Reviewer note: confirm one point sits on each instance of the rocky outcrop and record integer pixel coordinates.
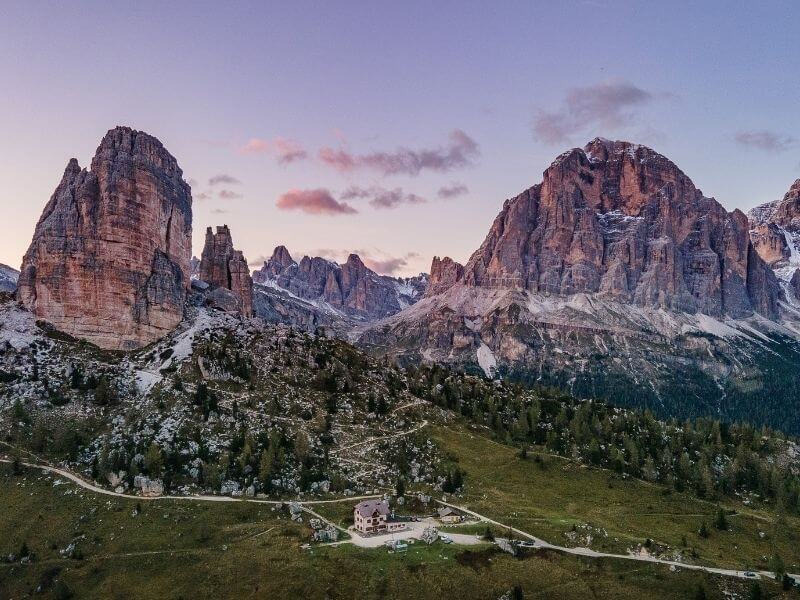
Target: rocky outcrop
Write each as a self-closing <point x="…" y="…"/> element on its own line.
<point x="109" y="259"/>
<point x="775" y="235"/>
<point x="278" y="263"/>
<point x="445" y="273"/>
<point x="621" y="221"/>
<point x="770" y="242"/>
<point x="351" y="288"/>
<point x="225" y="268"/>
<point x="194" y="267"/>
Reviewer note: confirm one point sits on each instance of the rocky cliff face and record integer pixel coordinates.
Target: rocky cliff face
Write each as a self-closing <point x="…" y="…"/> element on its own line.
<point x="109" y="259"/>
<point x="350" y="288"/>
<point x="775" y="234"/>
<point x="225" y="268"/>
<point x="621" y="221"/>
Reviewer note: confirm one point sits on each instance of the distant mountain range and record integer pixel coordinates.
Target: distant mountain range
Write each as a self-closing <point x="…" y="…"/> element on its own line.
<point x="351" y="290"/>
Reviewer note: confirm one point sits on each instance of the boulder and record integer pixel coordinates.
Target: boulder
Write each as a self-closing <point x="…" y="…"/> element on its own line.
<point x="149" y="487"/>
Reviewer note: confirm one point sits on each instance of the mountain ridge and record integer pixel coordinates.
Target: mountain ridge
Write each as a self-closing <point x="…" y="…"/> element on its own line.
<point x="351" y="288"/>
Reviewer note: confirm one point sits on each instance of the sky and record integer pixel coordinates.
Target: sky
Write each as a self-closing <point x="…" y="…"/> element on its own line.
<point x="395" y="130"/>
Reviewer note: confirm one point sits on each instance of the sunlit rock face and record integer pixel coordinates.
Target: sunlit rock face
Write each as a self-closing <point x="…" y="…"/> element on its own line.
<point x="109" y="259"/>
<point x="445" y="272"/>
<point x="622" y="221"/>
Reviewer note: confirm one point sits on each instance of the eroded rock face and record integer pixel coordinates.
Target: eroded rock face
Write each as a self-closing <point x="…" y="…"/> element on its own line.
<point x="351" y="288"/>
<point x="224" y="267"/>
<point x="622" y="221"/>
<point x="445" y="272"/>
<point x="770" y="243"/>
<point x="109" y="259"/>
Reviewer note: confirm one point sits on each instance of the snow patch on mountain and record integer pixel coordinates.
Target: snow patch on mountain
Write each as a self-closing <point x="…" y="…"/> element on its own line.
<point x="17" y="326"/>
<point x="487" y="360"/>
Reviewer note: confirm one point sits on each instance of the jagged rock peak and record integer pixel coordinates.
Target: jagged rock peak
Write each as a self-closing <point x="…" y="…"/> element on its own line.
<point x="281" y="256"/>
<point x="224" y="267"/>
<point x="621" y="220"/>
<point x="445" y="273"/>
<point x="354" y="262"/>
<point x="109" y="259"/>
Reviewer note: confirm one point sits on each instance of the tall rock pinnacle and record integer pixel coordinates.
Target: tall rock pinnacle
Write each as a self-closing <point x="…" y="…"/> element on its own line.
<point x="224" y="267"/>
<point x="109" y="259"/>
<point x="445" y="272"/>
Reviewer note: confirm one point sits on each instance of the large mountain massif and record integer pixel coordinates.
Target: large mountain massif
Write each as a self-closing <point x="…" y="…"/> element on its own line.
<point x="616" y="277"/>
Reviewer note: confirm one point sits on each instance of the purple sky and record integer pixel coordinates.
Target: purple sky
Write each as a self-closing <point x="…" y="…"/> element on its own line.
<point x="392" y="129"/>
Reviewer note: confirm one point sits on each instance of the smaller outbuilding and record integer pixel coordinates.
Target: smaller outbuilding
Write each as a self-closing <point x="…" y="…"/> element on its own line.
<point x="449" y="515"/>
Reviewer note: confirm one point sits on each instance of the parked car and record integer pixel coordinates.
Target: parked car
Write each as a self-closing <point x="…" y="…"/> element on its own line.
<point x="446" y="539"/>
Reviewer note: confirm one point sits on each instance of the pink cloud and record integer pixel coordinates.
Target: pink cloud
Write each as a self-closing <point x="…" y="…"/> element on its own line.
<point x="286" y="151"/>
<point x="255" y="146"/>
<point x="460" y="152"/>
<point x="289" y="151"/>
<point x="314" y="202"/>
<point x="338" y="159"/>
<point x="388" y="265"/>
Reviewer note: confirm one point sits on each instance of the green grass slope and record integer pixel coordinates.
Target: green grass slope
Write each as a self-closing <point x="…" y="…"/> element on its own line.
<point x="170" y="549"/>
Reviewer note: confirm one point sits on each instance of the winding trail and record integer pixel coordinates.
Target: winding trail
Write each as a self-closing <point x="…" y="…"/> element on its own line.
<point x="539" y="543"/>
<point x="379" y="438"/>
<point x="371" y="542"/>
<point x="87" y="485"/>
